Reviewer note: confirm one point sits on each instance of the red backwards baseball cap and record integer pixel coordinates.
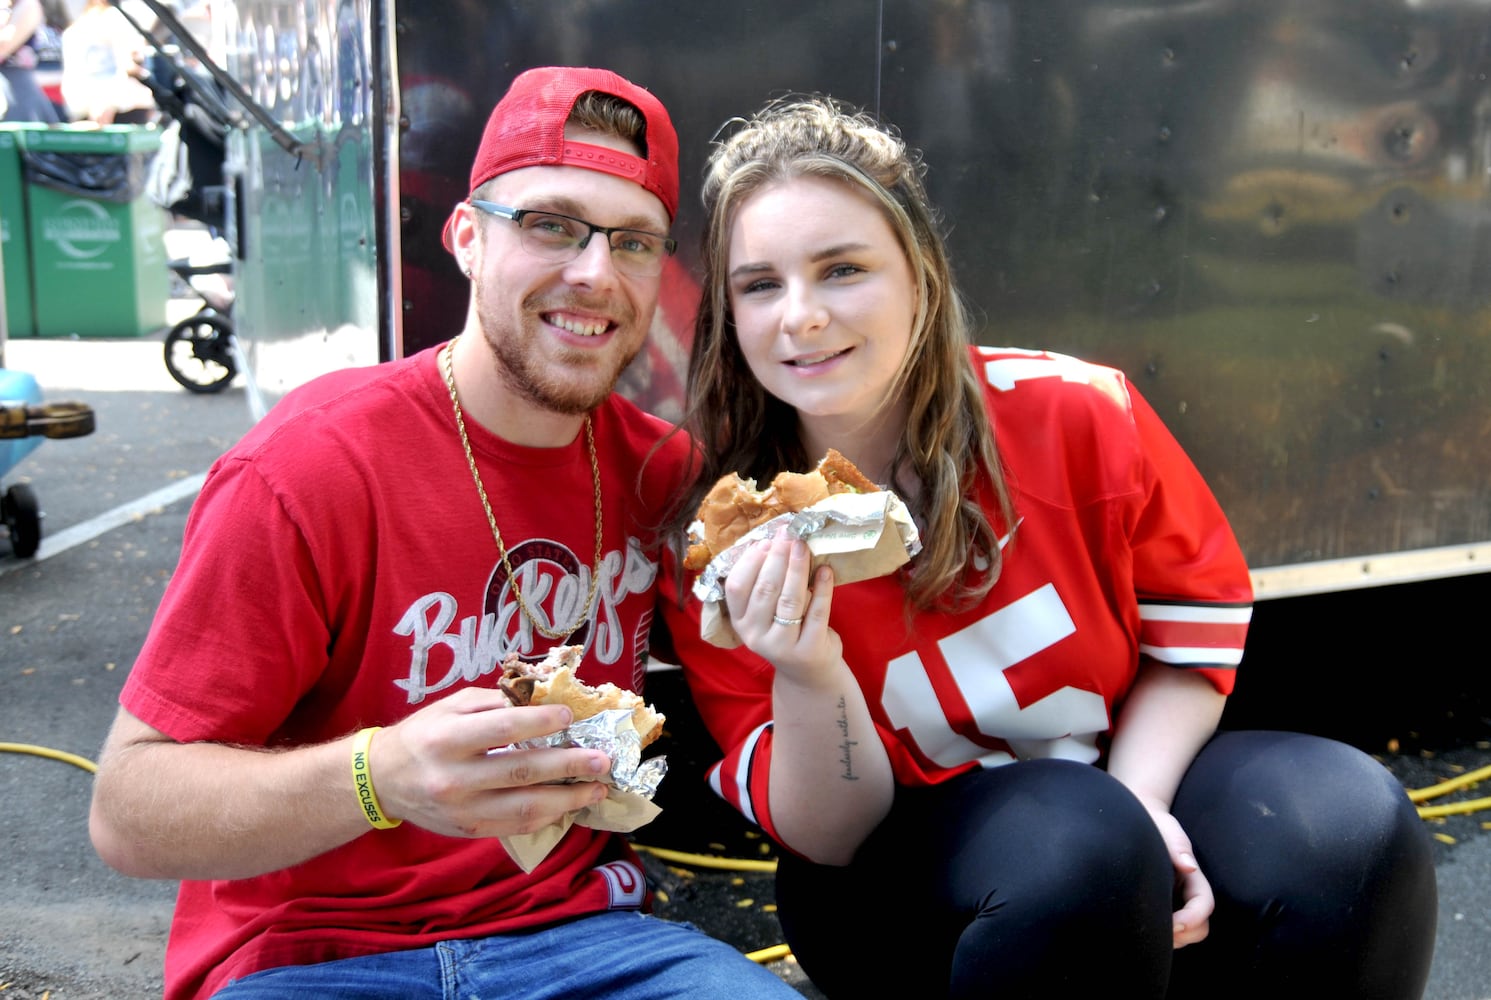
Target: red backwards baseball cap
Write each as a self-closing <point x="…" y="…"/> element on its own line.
<point x="526" y="129"/>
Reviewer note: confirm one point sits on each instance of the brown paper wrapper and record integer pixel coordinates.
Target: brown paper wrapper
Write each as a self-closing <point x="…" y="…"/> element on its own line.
<point x="861" y="535"/>
<point x="620" y="811"/>
<point x="633" y="783"/>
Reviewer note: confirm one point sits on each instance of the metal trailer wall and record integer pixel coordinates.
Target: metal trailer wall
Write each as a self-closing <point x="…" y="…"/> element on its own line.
<point x="307" y="227"/>
<point x="1272" y="214"/>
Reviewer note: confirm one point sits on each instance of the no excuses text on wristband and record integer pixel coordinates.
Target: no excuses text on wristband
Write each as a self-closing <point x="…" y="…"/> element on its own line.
<point x="363" y="779"/>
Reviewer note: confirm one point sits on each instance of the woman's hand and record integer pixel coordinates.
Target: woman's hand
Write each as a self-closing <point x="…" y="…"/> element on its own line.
<point x="777" y="615"/>
<point x="1191" y="923"/>
<point x="1166" y="719"/>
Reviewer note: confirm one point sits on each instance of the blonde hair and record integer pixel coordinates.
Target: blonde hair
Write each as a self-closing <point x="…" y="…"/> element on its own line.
<point x="948" y="439"/>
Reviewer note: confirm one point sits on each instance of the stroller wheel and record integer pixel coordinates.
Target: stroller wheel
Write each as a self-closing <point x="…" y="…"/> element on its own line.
<point x="199" y="353"/>
<point x="19" y="511"/>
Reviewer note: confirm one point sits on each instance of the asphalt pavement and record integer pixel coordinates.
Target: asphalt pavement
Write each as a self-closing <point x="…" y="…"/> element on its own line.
<point x="73" y="618"/>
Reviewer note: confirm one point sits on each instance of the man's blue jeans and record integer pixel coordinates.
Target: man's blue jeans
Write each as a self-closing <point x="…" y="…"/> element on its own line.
<point x="622" y="955"/>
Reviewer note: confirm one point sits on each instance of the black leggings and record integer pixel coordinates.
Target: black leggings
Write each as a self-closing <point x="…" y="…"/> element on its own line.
<point x="1047" y="878"/>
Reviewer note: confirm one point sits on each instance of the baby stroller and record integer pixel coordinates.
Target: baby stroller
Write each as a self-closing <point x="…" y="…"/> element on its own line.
<point x="201" y="351"/>
<point x="25" y="420"/>
<point x="186" y="179"/>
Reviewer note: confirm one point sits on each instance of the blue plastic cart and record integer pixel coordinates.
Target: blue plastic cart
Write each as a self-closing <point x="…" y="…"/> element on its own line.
<point x="25" y="421"/>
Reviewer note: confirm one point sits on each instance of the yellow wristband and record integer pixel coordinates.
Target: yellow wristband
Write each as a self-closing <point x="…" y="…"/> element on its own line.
<point x="362" y="778"/>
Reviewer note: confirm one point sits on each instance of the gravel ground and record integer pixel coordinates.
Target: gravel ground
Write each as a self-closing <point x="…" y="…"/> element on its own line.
<point x="1431" y="768"/>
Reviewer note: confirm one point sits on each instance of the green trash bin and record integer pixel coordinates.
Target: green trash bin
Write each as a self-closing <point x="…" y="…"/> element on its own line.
<point x="98" y="257"/>
<point x="15" y="244"/>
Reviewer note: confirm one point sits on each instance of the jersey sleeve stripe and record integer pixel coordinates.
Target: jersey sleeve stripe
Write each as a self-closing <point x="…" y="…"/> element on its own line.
<point x="1220" y="614"/>
<point x="1191" y="643"/>
<point x="1193" y="656"/>
<point x="731" y="777"/>
<point x="1194" y="634"/>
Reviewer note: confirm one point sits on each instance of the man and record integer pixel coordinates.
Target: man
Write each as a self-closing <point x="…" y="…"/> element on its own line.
<point x="365" y="558"/>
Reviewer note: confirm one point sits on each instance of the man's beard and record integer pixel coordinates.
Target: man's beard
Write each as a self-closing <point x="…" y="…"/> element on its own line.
<point x="522" y="368"/>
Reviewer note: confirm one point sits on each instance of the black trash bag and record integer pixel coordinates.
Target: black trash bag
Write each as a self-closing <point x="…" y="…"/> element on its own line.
<point x="112" y="177"/>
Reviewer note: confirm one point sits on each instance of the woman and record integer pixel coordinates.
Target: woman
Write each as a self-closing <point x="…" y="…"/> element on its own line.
<point x="102" y="60"/>
<point x="997" y="772"/>
<point x="21" y="96"/>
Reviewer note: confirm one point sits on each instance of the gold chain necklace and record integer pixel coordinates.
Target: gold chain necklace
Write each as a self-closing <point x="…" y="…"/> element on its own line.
<point x="481" y="491"/>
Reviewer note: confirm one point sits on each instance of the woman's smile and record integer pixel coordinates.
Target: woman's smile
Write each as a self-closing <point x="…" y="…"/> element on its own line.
<point x="823" y="298"/>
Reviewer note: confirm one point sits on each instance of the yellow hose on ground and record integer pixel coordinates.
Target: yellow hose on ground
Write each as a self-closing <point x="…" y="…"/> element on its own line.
<point x="1454" y="808"/>
<point x="708" y="860"/>
<point x="62" y="755"/>
<point x="1417" y="795"/>
<point x="1459" y="781"/>
<point x="761" y="956"/>
<point x="771" y="954"/>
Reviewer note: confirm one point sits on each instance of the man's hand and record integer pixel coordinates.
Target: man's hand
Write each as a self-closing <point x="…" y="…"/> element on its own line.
<point x="450" y="767"/>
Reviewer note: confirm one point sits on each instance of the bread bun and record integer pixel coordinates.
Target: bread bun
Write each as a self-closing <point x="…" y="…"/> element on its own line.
<point x="552" y="681"/>
<point x="734" y="505"/>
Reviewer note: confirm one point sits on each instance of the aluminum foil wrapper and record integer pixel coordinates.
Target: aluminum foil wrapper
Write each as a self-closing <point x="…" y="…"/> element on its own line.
<point x="613" y="732"/>
<point x="861" y="535"/>
<point x="627" y="807"/>
<point x="710" y="583"/>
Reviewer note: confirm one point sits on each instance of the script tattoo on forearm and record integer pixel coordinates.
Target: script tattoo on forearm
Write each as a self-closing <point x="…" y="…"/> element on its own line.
<point x="846" y="745"/>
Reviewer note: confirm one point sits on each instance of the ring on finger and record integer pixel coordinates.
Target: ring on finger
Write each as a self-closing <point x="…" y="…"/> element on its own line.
<point x="786" y="621"/>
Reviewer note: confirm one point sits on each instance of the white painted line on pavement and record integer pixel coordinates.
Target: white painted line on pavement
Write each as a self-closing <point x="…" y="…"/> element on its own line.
<point x="109" y="520"/>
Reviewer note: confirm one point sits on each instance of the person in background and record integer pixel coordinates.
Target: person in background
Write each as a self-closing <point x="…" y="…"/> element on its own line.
<point x="312" y="738"/>
<point x="100" y="53"/>
<point x="1004" y="757"/>
<point x="21" y="96"/>
<point x="48" y="45"/>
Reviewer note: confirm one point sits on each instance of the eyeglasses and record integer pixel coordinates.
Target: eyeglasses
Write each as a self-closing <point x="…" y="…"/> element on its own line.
<point x="560" y="238"/>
